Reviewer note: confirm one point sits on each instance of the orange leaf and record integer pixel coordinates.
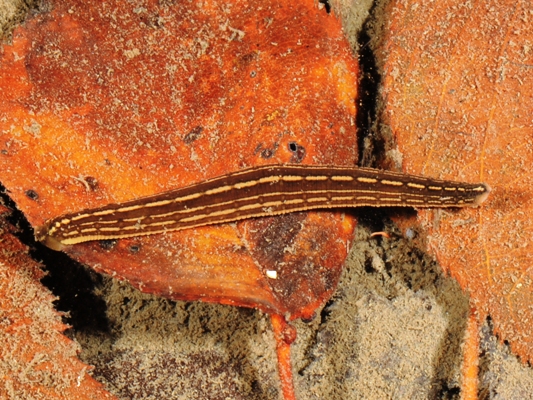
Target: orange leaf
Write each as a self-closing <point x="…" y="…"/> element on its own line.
<point x="459" y="97"/>
<point x="114" y="102"/>
<point x="37" y="361"/>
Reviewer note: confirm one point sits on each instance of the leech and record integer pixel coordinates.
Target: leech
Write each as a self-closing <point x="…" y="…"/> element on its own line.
<point x="258" y="192"/>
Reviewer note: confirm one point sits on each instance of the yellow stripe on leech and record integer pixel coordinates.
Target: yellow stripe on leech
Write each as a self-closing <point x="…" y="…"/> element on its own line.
<point x="221" y="189"/>
<point x="391" y="183"/>
<point x="159" y="203"/>
<point x="187" y="198"/>
<point x="342" y="198"/>
<point x="106" y="222"/>
<point x="342" y="178"/>
<point x="194" y="218"/>
<point x="316" y="178"/>
<point x="293" y="201"/>
<point x="136" y="219"/>
<point x="97" y="214"/>
<point x="366" y="180"/>
<point x="416" y="185"/>
<point x="317" y="199"/>
<point x="250" y="206"/>
<point x="81" y="216"/>
<point x="270" y="179"/>
<point x="110" y="229"/>
<point x="245" y="184"/>
<point x="292" y="178"/>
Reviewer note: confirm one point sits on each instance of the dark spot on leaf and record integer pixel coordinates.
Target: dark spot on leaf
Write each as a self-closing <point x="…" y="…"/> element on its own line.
<point x="32" y="194"/>
<point x="92" y="183"/>
<point x="152" y="21"/>
<point x="193" y="135"/>
<point x="246" y="59"/>
<point x="293" y="146"/>
<point x="298" y="152"/>
<point x="107" y="244"/>
<point x="267" y="153"/>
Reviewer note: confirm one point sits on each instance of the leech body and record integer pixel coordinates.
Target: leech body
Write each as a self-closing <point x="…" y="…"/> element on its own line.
<point x="257" y="192"/>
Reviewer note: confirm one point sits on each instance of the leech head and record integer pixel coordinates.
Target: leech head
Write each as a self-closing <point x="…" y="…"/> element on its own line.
<point x="483" y="196"/>
<point x="42" y="235"/>
<point x="52" y="243"/>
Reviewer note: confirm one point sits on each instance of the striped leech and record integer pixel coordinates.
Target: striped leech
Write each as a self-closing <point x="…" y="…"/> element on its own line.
<point x="257" y="192"/>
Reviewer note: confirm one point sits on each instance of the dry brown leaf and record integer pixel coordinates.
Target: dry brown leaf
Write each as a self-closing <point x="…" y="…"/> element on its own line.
<point x="36" y="360"/>
<point x="459" y="99"/>
<point x="110" y="102"/>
